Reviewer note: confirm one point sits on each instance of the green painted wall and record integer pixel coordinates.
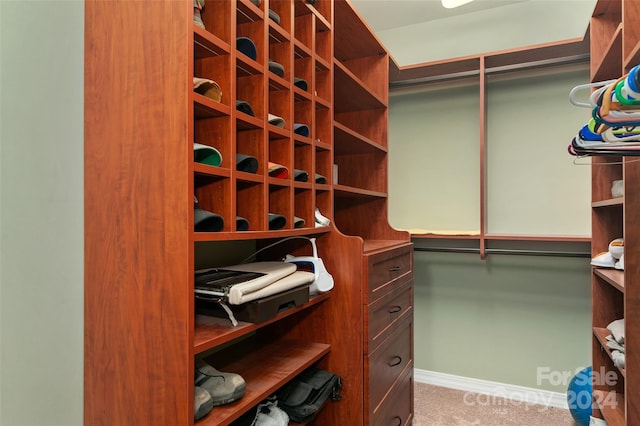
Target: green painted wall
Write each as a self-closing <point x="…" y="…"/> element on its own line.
<point x="41" y="212"/>
<point x="504" y="319"/>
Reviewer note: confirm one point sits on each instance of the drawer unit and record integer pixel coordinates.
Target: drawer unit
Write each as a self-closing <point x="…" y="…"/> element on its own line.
<point x="385" y="267"/>
<point x="385" y="314"/>
<point x="387" y="363"/>
<point x="397" y="407"/>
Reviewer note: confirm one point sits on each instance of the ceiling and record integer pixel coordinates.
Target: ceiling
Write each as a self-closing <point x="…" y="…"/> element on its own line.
<point x="386" y="14"/>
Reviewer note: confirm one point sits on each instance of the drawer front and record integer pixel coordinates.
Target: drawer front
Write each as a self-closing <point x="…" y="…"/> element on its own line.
<point x="384" y="314"/>
<point x="385" y="267"/>
<point x="388" y="362"/>
<point x="397" y="407"/>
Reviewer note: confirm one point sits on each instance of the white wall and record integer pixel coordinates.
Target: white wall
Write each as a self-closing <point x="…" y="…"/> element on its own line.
<point x="41" y="212"/>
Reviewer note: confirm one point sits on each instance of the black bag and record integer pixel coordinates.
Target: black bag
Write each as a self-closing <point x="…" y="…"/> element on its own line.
<point x="305" y="395"/>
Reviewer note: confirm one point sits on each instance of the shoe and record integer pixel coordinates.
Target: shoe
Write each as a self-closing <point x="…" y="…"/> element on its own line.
<point x="604" y="260"/>
<point x="223" y="387"/>
<point x="202" y="403"/>
<point x="269" y="414"/>
<point x="616" y="248"/>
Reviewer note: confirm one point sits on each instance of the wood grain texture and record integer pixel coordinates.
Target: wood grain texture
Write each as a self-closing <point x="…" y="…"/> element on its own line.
<point x="138" y="296"/>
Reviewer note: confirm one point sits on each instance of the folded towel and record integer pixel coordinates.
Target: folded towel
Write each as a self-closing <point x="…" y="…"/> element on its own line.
<point x="612" y="344"/>
<point x="618" y="359"/>
<point x="617" y="330"/>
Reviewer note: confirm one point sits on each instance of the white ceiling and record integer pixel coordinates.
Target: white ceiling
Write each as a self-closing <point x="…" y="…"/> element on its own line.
<point x="418" y="31"/>
<point x="386" y="14"/>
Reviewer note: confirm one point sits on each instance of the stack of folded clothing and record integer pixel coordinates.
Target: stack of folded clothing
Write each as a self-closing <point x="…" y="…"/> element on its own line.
<point x="615" y="342"/>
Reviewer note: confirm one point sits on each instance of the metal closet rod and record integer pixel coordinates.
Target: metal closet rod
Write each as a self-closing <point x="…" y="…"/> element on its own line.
<point x="505" y="251"/>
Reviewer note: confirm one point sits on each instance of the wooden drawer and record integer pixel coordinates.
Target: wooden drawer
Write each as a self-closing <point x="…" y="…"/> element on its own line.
<point x="387" y="363"/>
<point x="384" y="314"/>
<point x="385" y="267"/>
<point x="397" y="407"/>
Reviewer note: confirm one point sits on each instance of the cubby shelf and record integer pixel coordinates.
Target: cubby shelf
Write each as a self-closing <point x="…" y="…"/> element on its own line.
<point x="283" y="360"/>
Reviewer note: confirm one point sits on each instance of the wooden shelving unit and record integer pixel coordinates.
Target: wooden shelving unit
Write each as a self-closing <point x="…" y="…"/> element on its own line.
<point x="479" y="67"/>
<point x="142" y="331"/>
<point x="615" y="41"/>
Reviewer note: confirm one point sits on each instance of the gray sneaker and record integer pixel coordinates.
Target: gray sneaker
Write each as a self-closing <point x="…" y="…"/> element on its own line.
<point x="202" y="403"/>
<point x="223" y="387"/>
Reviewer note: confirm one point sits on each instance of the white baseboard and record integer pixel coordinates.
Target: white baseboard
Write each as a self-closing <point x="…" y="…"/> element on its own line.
<point x="494" y="389"/>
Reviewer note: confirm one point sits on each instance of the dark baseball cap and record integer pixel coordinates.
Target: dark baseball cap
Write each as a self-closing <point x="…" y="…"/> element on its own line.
<point x="276" y="221"/>
<point x="276" y="68"/>
<point x="246" y="163"/>
<point x="301" y="83"/>
<point x="206" y="221"/>
<point x="301" y="129"/>
<point x="247" y="46"/>
<point x="244" y="106"/>
<point x="300" y="175"/>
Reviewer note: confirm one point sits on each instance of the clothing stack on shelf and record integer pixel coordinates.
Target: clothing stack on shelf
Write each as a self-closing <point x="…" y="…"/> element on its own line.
<point x="615" y="342"/>
<point x="614" y="126"/>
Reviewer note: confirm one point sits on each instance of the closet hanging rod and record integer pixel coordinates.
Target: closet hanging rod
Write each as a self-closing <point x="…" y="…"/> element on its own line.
<point x="505" y="251"/>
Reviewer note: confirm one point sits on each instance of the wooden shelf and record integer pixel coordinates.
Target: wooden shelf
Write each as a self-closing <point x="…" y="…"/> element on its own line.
<point x="611" y="406"/>
<point x="608" y="203"/>
<point x="256" y="235"/>
<point x="265" y="370"/>
<point x="611" y="276"/>
<point x="213" y="331"/>
<point x="611" y="65"/>
<point x="349" y="191"/>
<point x="204" y="107"/>
<point x="349" y="141"/>
<point x="354" y="94"/>
<point x="601" y="334"/>
<point x="207" y="44"/>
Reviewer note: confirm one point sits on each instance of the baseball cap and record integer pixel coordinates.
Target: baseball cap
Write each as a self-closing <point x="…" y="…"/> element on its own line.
<point x="301" y="129"/>
<point x="276" y="221"/>
<point x="247" y="46"/>
<point x="298" y="222"/>
<point x="208" y="88"/>
<point x="244" y="106"/>
<point x="246" y="163"/>
<point x="206" y="154"/>
<point x="206" y="221"/>
<point x="274" y="16"/>
<point x="300" y="175"/>
<point x="301" y="83"/>
<point x="276" y="121"/>
<point x="276" y="68"/>
<point x="278" y="170"/>
<point x="242" y="224"/>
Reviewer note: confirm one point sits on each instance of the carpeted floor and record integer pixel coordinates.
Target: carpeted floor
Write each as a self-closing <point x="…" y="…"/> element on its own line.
<point x="438" y="406"/>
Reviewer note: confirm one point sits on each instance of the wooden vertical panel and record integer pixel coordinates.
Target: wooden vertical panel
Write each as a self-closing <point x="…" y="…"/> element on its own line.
<point x="138" y="210"/>
<point x="631" y="34"/>
<point x="632" y="289"/>
<point x="483" y="158"/>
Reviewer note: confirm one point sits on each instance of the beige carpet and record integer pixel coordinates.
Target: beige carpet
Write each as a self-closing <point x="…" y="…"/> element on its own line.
<point x="437" y="406"/>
